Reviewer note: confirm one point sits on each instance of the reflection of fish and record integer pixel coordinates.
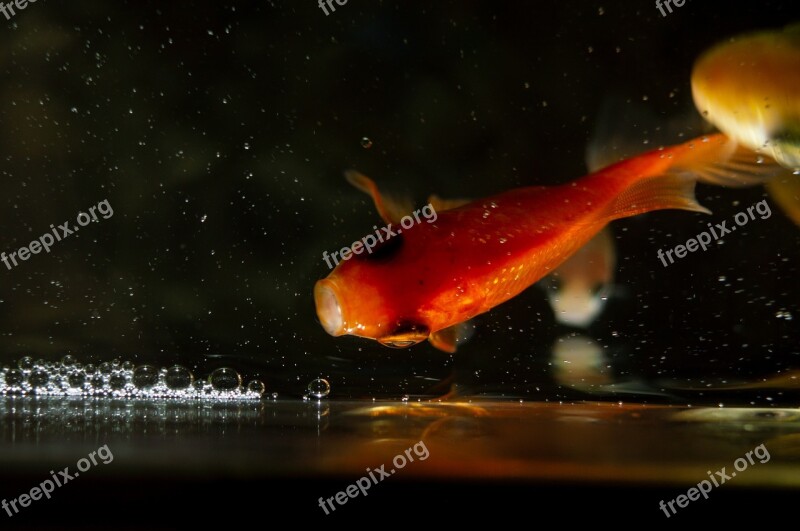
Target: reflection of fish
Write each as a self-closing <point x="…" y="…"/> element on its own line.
<point x="579" y="288"/>
<point x="787" y="380"/>
<point x="422" y="283"/>
<point x="579" y="362"/>
<point x="749" y="87"/>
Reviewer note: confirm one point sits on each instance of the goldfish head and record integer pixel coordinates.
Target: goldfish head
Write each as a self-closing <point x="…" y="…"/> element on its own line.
<point x="577" y="304"/>
<point x="359" y="298"/>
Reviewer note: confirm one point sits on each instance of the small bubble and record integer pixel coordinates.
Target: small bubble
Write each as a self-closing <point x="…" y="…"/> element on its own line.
<point x="405" y="398"/>
<point x="105" y="368"/>
<point x="39" y="378"/>
<point x="225" y="379"/>
<point x="90" y="369"/>
<point x="178" y="377"/>
<point x="117" y="381"/>
<point x="127" y="365"/>
<point x="256" y="386"/>
<point x="68" y="360"/>
<point x="366" y="143"/>
<point x="14" y="377"/>
<point x="274" y="396"/>
<point x="25" y="363"/>
<point x="145" y="376"/>
<point x="76" y="379"/>
<point x="319" y="388"/>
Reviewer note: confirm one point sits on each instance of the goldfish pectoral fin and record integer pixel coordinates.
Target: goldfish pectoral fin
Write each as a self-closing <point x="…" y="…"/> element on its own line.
<point x="390" y="209"/>
<point x="440" y="205"/>
<point x="448" y="338"/>
<point x="785" y="190"/>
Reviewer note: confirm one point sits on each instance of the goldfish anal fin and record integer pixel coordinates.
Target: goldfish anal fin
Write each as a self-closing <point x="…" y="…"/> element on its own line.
<point x="448" y="338"/>
<point x="440" y="205"/>
<point x="389" y="208"/>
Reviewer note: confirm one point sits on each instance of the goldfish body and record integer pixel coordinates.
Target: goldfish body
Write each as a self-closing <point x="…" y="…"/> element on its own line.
<point x="428" y="279"/>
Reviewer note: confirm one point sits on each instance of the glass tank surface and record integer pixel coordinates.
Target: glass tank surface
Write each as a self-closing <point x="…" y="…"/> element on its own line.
<point x="315" y="260"/>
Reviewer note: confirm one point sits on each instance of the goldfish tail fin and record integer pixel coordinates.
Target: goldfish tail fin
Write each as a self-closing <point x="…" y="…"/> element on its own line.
<point x="714" y="159"/>
<point x="724" y="162"/>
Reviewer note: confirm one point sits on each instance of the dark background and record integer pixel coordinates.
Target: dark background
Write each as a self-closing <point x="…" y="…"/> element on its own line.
<point x="219" y="131"/>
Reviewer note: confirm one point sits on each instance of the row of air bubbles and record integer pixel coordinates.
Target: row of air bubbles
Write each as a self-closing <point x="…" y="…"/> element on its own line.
<point x="122" y="379"/>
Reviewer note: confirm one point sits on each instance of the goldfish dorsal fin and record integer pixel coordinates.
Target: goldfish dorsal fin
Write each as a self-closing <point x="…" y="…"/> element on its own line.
<point x="625" y="128"/>
<point x="440" y="205"/>
<point x="389" y="208"/>
<point x="448" y="338"/>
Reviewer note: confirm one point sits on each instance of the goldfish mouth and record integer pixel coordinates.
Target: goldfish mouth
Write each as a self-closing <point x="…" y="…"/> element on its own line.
<point x="328" y="309"/>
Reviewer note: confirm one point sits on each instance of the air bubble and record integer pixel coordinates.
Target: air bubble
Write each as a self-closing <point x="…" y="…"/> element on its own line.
<point x="117" y="381"/>
<point x="366" y="143"/>
<point x="14" y="377"/>
<point x="25" y="363"/>
<point x="118" y="378"/>
<point x="319" y="388"/>
<point x="39" y="378"/>
<point x="256" y="386"/>
<point x="178" y="377"/>
<point x="145" y="376"/>
<point x="225" y="379"/>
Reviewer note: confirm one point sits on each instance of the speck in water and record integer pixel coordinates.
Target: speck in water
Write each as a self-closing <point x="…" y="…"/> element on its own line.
<point x="366" y="143"/>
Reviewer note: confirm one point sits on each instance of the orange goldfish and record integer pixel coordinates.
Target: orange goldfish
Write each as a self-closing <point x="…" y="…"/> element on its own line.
<point x="424" y="283"/>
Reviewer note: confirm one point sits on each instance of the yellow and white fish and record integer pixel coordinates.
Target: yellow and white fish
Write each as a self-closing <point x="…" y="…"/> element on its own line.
<point x="749" y="88"/>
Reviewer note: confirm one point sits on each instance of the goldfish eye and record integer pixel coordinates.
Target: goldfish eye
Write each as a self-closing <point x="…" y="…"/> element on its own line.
<point x="405" y="335"/>
<point x="382" y="251"/>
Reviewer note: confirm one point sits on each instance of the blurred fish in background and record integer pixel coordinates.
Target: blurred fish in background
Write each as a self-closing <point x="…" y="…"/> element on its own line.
<point x="749" y="88"/>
